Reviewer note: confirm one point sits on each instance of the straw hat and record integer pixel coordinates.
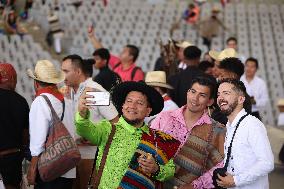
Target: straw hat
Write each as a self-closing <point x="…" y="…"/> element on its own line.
<point x="280" y="102"/>
<point x="226" y="53"/>
<point x="46" y="72"/>
<point x="157" y="79"/>
<point x="215" y="10"/>
<point x="184" y="44"/>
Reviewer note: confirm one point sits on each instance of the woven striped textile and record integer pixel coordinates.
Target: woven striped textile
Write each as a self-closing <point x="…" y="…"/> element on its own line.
<point x="200" y="153"/>
<point x="166" y="148"/>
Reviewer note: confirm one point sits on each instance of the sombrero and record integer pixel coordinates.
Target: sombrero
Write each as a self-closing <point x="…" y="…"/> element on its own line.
<point x="119" y="93"/>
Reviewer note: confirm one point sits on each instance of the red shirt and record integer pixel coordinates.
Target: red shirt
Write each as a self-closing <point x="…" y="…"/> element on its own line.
<point x="113" y="61"/>
<point x="125" y="75"/>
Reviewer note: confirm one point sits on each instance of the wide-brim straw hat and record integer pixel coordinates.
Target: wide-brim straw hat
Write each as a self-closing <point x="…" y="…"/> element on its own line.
<point x="157" y="79"/>
<point x="226" y="53"/>
<point x="184" y="44"/>
<point x="120" y="91"/>
<point x="46" y="72"/>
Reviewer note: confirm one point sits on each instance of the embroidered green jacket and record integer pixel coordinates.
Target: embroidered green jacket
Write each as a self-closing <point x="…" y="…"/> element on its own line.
<point x="123" y="146"/>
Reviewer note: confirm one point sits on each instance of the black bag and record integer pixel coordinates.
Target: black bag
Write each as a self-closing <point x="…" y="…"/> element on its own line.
<point x="222" y="171"/>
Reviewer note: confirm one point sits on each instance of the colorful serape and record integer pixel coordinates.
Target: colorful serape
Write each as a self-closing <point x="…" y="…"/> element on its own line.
<point x="162" y="147"/>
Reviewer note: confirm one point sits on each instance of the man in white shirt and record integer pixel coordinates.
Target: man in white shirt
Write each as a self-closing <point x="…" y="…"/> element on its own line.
<point x="45" y="79"/>
<point x="251" y="157"/>
<point x="255" y="86"/>
<point x="76" y="79"/>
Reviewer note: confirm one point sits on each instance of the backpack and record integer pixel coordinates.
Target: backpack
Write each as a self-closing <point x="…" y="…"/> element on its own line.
<point x="133" y="71"/>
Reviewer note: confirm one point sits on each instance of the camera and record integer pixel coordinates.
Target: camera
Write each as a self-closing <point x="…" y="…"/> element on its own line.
<point x="221" y="172"/>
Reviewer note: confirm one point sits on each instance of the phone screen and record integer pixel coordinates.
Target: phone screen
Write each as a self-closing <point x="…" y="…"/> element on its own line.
<point x="100" y="98"/>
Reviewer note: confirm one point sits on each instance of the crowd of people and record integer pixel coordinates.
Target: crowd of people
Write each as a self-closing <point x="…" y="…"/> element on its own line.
<point x="159" y="130"/>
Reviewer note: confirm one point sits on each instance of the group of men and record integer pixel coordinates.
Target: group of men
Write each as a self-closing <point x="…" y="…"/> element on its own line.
<point x="156" y="139"/>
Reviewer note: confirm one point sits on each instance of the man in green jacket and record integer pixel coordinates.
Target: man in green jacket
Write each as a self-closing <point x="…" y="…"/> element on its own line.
<point x="138" y="156"/>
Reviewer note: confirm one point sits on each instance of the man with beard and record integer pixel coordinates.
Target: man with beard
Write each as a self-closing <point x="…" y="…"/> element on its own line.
<point x="131" y="155"/>
<point x="232" y="68"/>
<point x="251" y="158"/>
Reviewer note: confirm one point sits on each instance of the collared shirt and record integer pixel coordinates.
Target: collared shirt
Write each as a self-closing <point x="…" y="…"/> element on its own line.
<point x="125" y="74"/>
<point x="256" y="88"/>
<point x="251" y="159"/>
<point x="98" y="113"/>
<point x="122" y="148"/>
<point x="168" y="105"/>
<point x="173" y="123"/>
<point x="40" y="121"/>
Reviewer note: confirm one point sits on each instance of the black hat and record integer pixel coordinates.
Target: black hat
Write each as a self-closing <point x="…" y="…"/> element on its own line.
<point x="120" y="92"/>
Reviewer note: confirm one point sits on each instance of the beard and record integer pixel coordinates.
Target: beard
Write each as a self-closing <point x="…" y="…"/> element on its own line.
<point x="231" y="108"/>
<point x="133" y="122"/>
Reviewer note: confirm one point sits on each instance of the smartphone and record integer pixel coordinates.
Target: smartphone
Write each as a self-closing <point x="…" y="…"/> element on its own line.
<point x="101" y="98"/>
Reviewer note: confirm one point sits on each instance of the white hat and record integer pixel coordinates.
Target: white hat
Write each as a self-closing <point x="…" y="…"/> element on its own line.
<point x="226" y="53"/>
<point x="46" y="72"/>
<point x="184" y="44"/>
<point x="157" y="79"/>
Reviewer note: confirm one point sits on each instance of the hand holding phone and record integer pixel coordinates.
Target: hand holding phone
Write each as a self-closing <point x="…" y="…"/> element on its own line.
<point x="91" y="30"/>
<point x="101" y="98"/>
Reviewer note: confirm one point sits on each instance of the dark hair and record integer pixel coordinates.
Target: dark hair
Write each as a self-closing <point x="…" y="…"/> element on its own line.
<point x="77" y="61"/>
<point x="191" y="5"/>
<point x="88" y="66"/>
<point x="133" y="51"/>
<point x="253" y="60"/>
<point x="74" y="58"/>
<point x="192" y="52"/>
<point x="232" y="39"/>
<point x="204" y="65"/>
<point x="232" y="64"/>
<point x="240" y="88"/>
<point x="208" y="81"/>
<point x="103" y="53"/>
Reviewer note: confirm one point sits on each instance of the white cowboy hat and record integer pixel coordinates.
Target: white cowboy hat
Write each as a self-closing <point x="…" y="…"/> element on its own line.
<point x="46" y="72"/>
<point x="157" y="79"/>
<point x="226" y="53"/>
<point x="184" y="44"/>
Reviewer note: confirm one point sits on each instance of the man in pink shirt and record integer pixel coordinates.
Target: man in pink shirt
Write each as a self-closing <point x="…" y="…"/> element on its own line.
<point x="201" y="137"/>
<point x="124" y="65"/>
